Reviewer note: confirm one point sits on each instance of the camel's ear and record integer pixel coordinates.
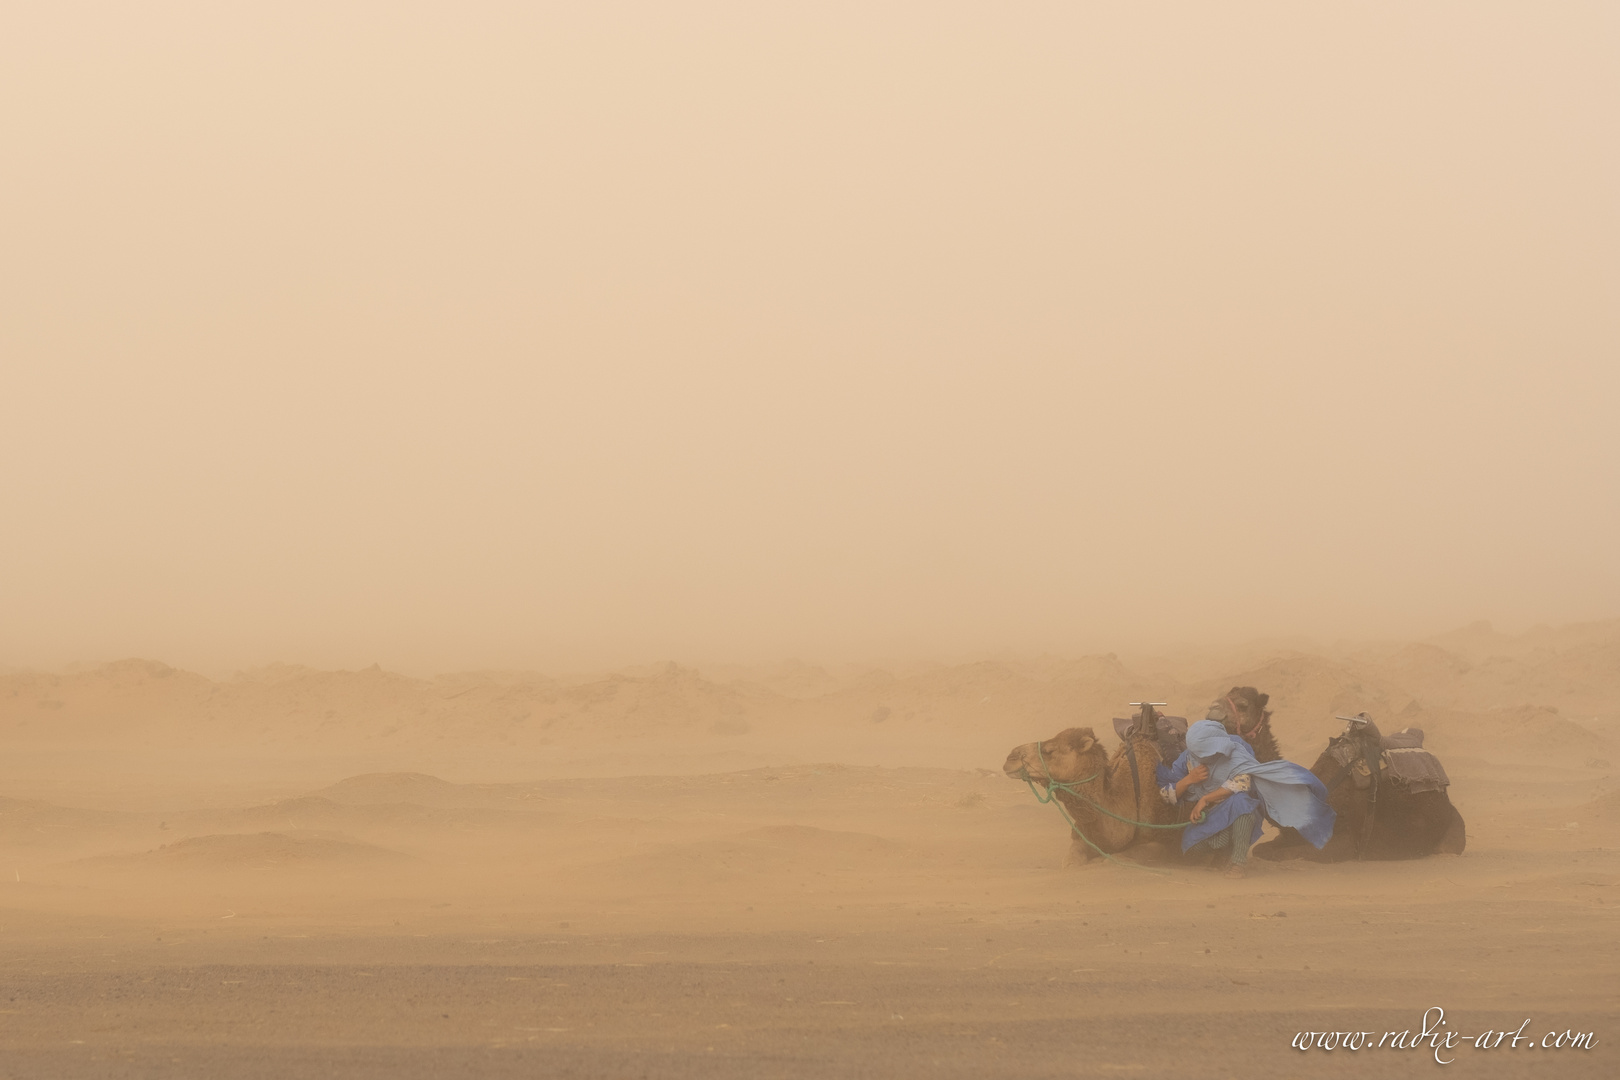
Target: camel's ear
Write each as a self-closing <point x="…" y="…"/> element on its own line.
<point x="1261" y="699"/>
<point x="1080" y="739"/>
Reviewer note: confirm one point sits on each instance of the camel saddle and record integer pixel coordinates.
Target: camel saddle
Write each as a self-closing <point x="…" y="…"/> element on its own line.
<point x="1409" y="765"/>
<point x="1171" y="732"/>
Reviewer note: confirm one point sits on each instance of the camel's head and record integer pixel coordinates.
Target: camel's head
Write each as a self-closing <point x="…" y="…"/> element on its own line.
<point x="1250" y="710"/>
<point x="1066" y="757"/>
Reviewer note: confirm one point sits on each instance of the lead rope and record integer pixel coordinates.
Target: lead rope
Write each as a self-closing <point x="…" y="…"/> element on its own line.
<point x="1054" y="786"/>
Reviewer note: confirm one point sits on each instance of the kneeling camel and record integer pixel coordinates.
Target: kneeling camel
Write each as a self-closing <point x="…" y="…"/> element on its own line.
<point x="1103" y="795"/>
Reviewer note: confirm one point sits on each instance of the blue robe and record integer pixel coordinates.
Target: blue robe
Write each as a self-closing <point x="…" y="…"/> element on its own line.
<point x="1283" y="792"/>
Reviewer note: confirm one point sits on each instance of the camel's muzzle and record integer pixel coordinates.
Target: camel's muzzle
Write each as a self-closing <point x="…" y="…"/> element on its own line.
<point x="1017" y="766"/>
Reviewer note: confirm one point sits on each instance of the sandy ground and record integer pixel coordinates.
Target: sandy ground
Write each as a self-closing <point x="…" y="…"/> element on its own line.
<point x="806" y="921"/>
<point x="725" y="879"/>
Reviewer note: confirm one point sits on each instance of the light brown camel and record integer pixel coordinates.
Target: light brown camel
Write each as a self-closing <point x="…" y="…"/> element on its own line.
<point x="1076" y="757"/>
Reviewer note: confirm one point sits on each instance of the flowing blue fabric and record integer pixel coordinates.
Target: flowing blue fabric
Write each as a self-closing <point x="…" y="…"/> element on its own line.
<point x="1218" y="817"/>
<point x="1286" y="793"/>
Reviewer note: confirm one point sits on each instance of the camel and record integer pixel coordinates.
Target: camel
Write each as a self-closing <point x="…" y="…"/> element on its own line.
<point x="1247" y="715"/>
<point x="1377" y="818"/>
<point x="1075" y="756"/>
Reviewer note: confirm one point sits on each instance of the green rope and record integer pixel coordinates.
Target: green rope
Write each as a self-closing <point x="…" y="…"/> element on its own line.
<point x="1140" y="824"/>
<point x="1054" y="786"/>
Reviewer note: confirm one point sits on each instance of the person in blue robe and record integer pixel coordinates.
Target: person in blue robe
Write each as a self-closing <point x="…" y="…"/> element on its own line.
<point x="1233" y="794"/>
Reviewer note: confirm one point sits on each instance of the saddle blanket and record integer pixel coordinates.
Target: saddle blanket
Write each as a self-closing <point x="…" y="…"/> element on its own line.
<point x="1415" y="769"/>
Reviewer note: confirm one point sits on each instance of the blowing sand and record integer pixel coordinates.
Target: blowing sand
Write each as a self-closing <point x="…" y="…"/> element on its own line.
<point x="788" y="873"/>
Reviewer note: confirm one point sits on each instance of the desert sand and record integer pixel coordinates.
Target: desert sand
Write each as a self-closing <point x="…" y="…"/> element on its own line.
<point x="530" y="530"/>
<point x="790" y="871"/>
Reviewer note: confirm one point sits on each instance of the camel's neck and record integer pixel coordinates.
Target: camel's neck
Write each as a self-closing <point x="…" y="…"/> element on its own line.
<point x="1112" y="792"/>
<point x="1265" y="743"/>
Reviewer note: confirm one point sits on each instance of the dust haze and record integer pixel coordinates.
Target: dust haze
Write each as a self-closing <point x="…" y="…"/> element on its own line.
<point x="501" y="337"/>
<point x="529" y="530"/>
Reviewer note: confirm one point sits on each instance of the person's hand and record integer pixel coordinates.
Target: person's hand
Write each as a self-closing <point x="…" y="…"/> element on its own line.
<point x="1196" y="775"/>
<point x="1198" y="810"/>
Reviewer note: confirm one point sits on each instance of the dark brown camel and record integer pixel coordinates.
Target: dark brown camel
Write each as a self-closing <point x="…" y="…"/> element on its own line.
<point x="1377" y="818"/>
<point x="1075" y="756"/>
<point x="1247" y="715"/>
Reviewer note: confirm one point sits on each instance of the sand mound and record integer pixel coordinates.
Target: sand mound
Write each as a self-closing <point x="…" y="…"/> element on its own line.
<point x="31" y="815"/>
<point x="796" y="679"/>
<point x="308" y="811"/>
<point x="311" y="812"/>
<point x="235" y="851"/>
<point x="1520" y="733"/>
<point x="1475" y="641"/>
<point x="418" y="788"/>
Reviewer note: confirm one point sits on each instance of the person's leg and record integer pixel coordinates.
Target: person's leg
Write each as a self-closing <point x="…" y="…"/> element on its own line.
<point x="1210" y="847"/>
<point x="1238" y="836"/>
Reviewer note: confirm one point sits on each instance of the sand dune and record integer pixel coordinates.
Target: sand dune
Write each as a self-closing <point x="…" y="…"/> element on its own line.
<point x="967" y="710"/>
<point x="416" y="788"/>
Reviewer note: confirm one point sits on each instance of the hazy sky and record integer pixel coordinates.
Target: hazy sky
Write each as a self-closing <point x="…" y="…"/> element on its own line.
<point x="514" y="334"/>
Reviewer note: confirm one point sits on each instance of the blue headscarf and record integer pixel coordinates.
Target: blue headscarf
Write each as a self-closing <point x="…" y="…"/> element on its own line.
<point x="1291" y="794"/>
